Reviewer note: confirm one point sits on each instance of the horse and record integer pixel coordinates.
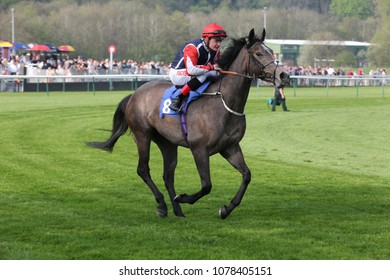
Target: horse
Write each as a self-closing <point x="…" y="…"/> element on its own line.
<point x="215" y="122"/>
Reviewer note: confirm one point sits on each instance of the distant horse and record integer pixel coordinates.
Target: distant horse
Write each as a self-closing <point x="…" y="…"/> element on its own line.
<point x="215" y="123"/>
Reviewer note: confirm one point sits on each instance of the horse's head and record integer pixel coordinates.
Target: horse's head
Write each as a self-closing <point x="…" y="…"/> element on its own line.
<point x="262" y="62"/>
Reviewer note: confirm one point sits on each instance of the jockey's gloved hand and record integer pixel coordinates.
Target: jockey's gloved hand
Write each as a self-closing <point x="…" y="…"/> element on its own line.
<point x="216" y="68"/>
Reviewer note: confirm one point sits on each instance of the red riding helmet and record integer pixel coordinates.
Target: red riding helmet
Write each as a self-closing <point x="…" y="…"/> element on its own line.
<point x="214" y="30"/>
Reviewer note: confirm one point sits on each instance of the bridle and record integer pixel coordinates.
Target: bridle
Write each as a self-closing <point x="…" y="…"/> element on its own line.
<point x="266" y="76"/>
<point x="263" y="74"/>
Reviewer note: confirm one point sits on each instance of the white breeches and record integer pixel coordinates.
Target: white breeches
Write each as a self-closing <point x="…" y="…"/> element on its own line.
<point x="179" y="77"/>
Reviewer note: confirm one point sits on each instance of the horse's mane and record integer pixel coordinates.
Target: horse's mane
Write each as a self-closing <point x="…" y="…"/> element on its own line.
<point x="229" y="55"/>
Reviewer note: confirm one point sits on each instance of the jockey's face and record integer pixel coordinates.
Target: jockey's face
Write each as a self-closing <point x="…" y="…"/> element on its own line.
<point x="215" y="43"/>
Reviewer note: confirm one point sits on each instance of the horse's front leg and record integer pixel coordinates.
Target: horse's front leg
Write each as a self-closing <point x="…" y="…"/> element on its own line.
<point x="202" y="162"/>
<point x="235" y="157"/>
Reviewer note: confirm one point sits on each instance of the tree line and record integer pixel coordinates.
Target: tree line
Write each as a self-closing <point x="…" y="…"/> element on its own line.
<point x="153" y="30"/>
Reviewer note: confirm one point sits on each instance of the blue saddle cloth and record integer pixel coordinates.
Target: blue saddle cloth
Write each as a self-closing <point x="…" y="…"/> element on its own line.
<point x="172" y="92"/>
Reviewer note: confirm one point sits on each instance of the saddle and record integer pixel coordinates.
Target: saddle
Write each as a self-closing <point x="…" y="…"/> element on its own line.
<point x="174" y="91"/>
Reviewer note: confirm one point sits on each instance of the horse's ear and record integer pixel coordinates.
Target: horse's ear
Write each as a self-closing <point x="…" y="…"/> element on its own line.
<point x="263" y="35"/>
<point x="251" y="35"/>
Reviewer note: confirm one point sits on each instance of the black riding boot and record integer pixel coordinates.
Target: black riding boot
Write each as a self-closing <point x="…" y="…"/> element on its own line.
<point x="193" y="84"/>
<point x="176" y="103"/>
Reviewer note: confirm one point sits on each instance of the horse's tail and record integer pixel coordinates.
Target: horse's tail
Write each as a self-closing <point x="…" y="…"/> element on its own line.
<point x="119" y="127"/>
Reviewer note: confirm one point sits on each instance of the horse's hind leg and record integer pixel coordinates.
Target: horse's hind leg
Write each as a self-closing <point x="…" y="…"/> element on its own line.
<point x="169" y="153"/>
<point x="143" y="170"/>
<point x="235" y="157"/>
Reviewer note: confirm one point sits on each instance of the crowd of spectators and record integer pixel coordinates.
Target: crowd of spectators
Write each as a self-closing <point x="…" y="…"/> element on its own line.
<point x="33" y="64"/>
<point x="337" y="75"/>
<point x="330" y="71"/>
<point x="58" y="65"/>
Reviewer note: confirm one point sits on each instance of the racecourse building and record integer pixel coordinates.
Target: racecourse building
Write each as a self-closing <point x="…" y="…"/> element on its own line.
<point x="288" y="51"/>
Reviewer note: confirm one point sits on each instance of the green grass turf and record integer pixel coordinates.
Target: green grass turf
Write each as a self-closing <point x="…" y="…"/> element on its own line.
<point x="319" y="190"/>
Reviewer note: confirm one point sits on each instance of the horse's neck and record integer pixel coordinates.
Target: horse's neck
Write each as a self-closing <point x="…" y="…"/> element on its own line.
<point x="234" y="88"/>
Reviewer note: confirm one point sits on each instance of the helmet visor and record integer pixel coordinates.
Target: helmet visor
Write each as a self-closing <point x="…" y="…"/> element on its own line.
<point x="215" y="33"/>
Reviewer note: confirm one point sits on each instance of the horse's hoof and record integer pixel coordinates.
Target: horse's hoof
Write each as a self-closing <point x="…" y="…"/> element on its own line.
<point x="179" y="214"/>
<point x="161" y="213"/>
<point x="223" y="212"/>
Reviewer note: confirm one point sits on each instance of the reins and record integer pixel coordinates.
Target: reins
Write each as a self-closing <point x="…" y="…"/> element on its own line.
<point x="224" y="103"/>
<point x="226" y="72"/>
<point x="238" y="74"/>
<point x="248" y="76"/>
<point x="220" y="93"/>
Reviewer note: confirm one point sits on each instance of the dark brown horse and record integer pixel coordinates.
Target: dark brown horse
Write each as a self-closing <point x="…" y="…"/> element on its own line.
<point x="216" y="123"/>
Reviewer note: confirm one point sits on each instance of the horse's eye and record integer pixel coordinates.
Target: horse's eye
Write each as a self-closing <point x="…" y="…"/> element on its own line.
<point x="258" y="54"/>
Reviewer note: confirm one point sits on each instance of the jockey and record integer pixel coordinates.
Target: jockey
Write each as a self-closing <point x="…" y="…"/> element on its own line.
<point x="194" y="62"/>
